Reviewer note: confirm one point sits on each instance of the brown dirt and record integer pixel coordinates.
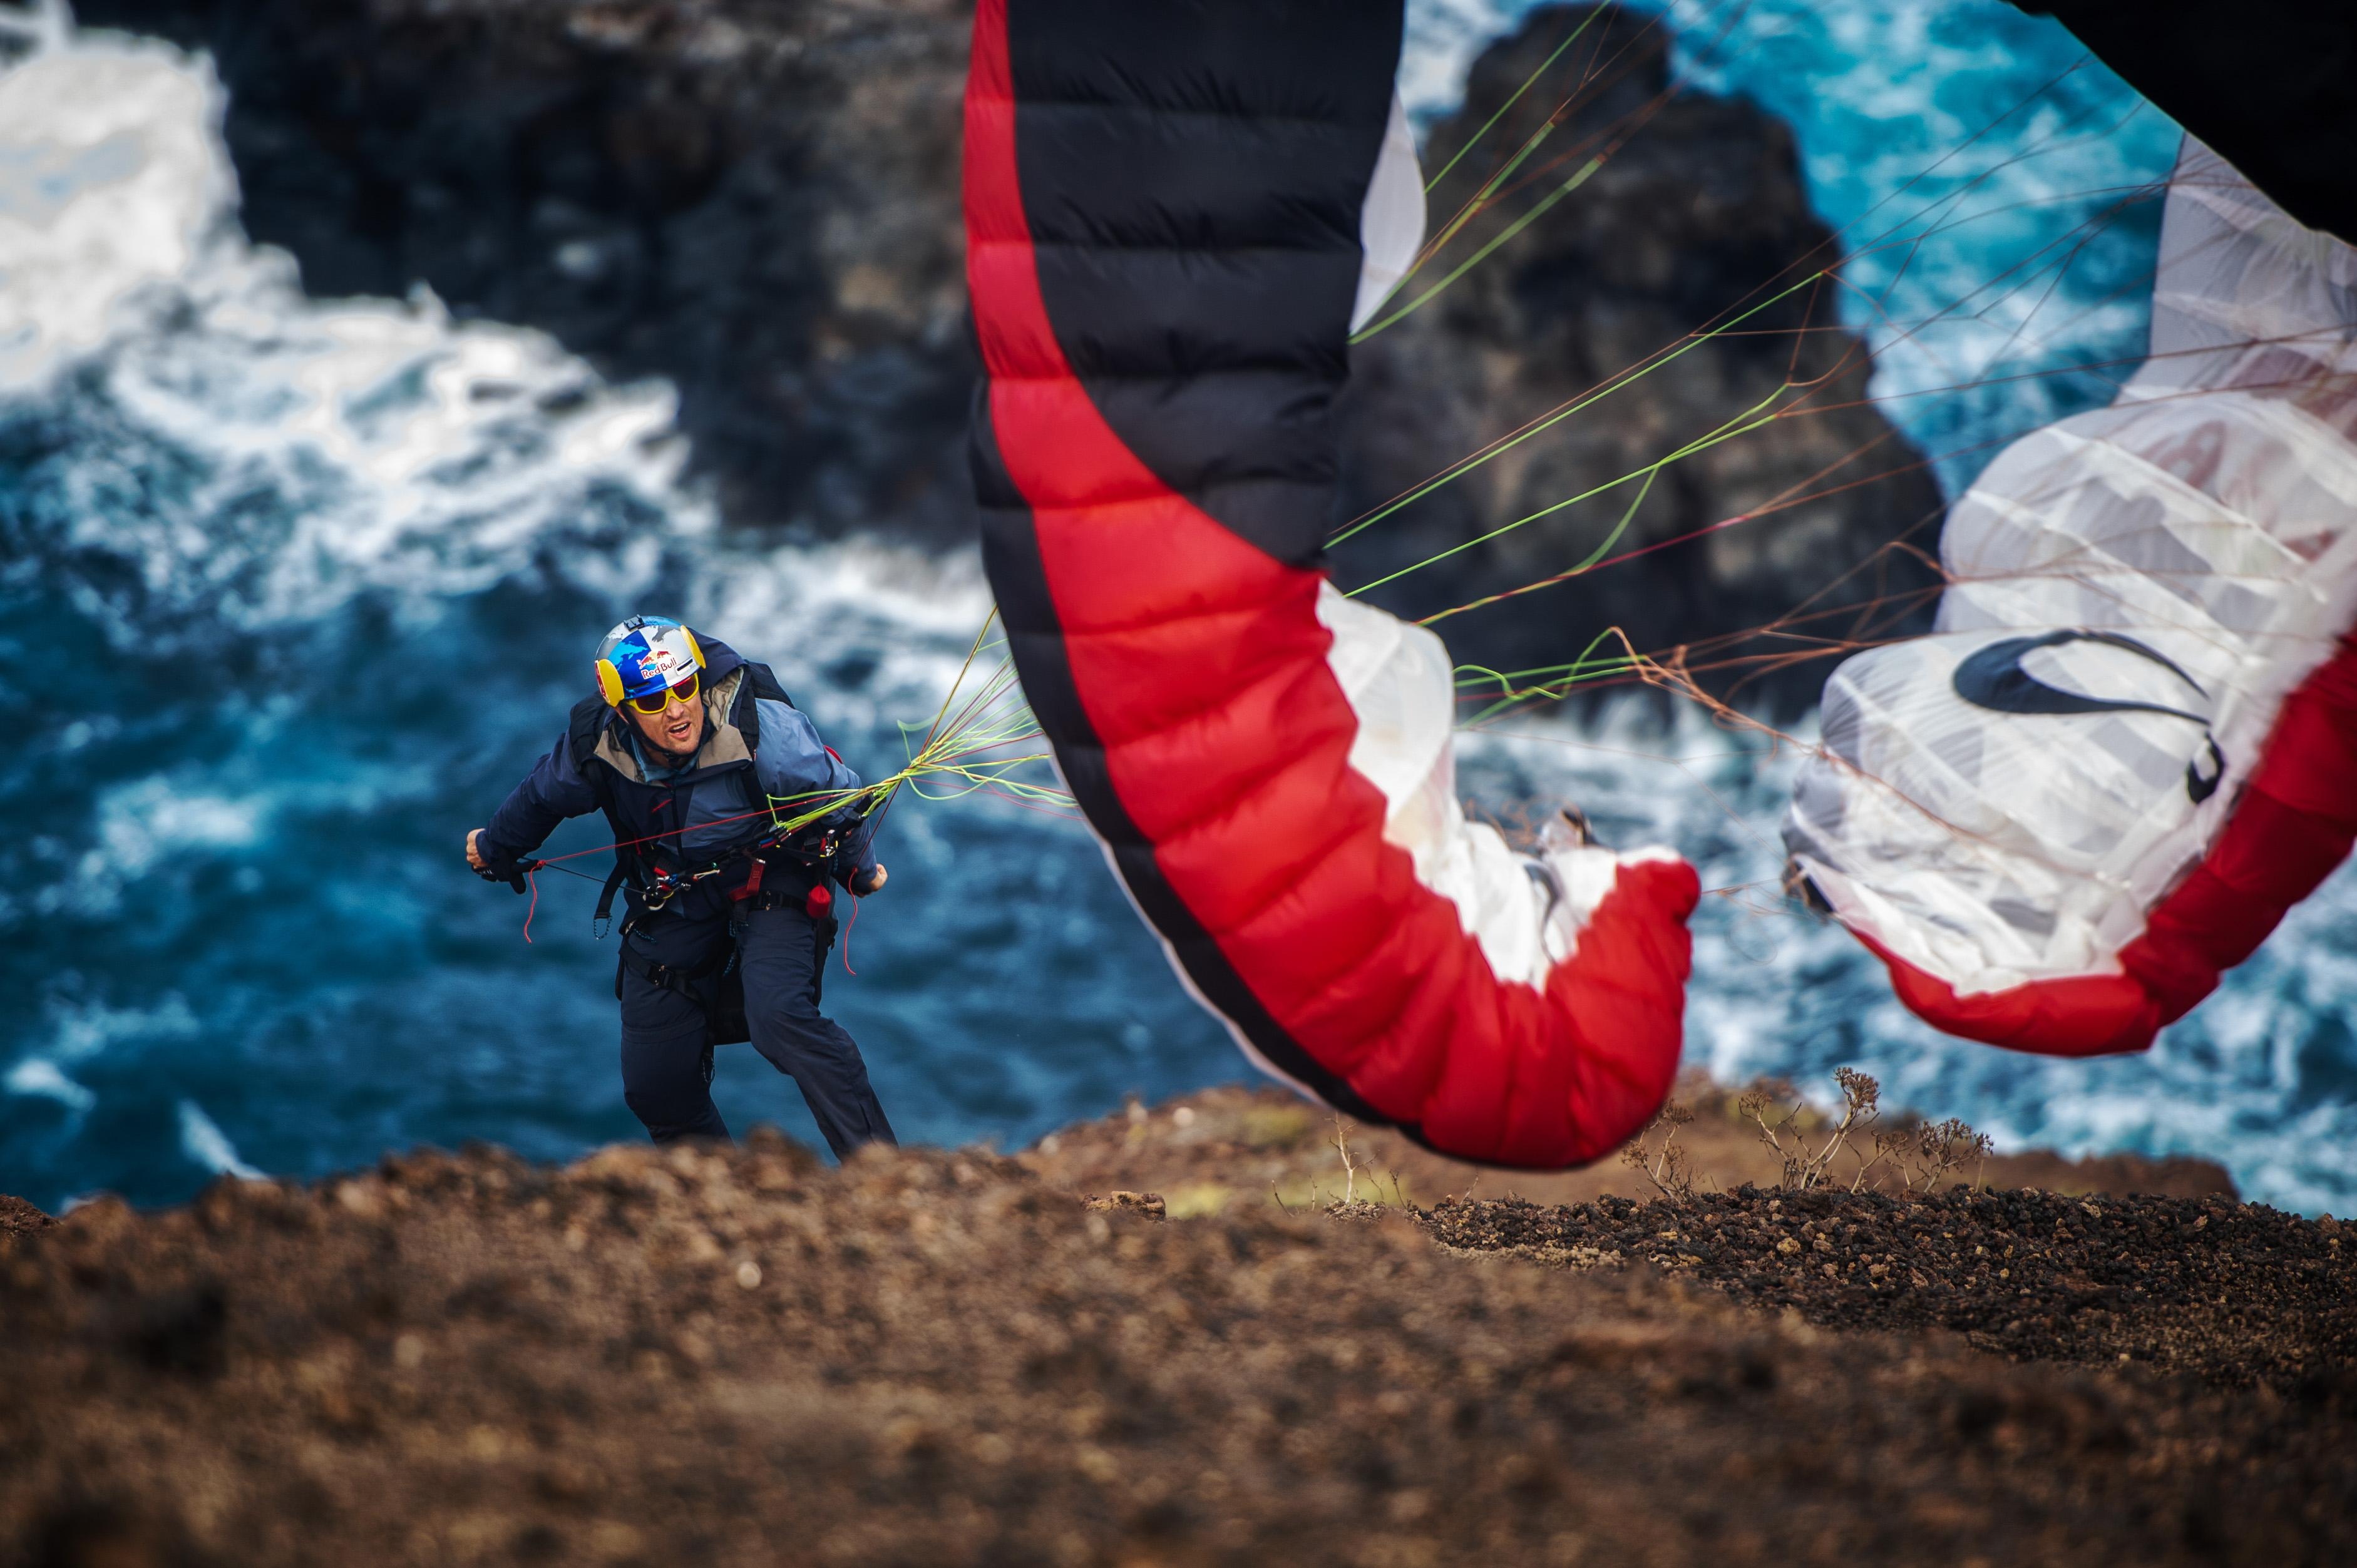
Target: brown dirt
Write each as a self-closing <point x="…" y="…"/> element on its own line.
<point x="17" y="1214"/>
<point x="737" y="1357"/>
<point x="2230" y="1292"/>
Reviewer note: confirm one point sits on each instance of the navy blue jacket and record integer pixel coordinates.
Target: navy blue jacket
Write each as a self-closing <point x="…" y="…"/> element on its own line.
<point x="756" y="744"/>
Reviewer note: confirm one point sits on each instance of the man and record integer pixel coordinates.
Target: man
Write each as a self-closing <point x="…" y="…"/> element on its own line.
<point x="687" y="749"/>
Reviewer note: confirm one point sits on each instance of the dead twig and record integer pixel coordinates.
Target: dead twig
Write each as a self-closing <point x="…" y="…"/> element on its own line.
<point x="1343" y="1132"/>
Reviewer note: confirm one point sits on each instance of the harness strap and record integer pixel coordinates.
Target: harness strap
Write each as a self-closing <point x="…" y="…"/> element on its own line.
<point x="603" y="921"/>
<point x="817" y="904"/>
<point x="671" y="977"/>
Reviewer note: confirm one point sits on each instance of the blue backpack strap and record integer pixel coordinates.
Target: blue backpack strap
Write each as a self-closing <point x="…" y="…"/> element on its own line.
<point x="759" y="683"/>
<point x="582" y="728"/>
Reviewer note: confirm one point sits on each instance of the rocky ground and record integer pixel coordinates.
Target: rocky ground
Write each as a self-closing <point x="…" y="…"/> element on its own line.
<point x="737" y="1356"/>
<point x="2030" y="1255"/>
<point x="2231" y="1293"/>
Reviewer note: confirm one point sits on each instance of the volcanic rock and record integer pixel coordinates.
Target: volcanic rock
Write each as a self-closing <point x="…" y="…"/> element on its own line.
<point x="1696" y="218"/>
<point x="17" y="1214"/>
<point x="2237" y="1293"/>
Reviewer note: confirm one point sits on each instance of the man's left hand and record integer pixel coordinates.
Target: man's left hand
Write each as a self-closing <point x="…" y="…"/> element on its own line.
<point x="861" y="886"/>
<point x="490" y="870"/>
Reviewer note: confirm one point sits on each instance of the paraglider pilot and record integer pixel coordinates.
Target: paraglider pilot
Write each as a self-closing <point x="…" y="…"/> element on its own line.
<point x="686" y="748"/>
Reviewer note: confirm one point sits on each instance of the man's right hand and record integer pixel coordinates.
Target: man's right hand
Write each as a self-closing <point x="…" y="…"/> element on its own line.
<point x="862" y="885"/>
<point x="473" y="854"/>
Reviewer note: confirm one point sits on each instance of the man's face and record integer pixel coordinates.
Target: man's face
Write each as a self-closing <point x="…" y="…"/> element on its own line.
<point x="678" y="729"/>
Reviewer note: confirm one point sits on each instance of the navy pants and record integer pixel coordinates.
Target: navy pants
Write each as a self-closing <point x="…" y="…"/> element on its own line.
<point x="663" y="1031"/>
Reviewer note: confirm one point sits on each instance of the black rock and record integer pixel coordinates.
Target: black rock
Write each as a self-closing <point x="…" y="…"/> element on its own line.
<point x="1698" y="213"/>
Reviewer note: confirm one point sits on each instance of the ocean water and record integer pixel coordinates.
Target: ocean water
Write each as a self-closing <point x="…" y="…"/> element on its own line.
<point x="293" y="590"/>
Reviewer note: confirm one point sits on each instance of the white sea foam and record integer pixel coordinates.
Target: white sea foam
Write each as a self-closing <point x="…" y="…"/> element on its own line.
<point x="208" y="1146"/>
<point x="327" y="448"/>
<point x="140" y="823"/>
<point x="804" y="610"/>
<point x="337" y="446"/>
<point x="41" y="1077"/>
<point x="112" y="179"/>
<point x="79" y="1031"/>
<point x="82" y="1031"/>
<point x="1443" y="37"/>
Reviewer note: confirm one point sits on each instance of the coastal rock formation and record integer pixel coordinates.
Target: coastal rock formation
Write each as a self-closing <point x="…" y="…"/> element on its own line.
<point x="1697" y="213"/>
<point x="759" y="199"/>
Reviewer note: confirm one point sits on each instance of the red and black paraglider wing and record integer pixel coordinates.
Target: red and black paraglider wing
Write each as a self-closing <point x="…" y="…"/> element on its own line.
<point x="1165" y="210"/>
<point x="2265" y="86"/>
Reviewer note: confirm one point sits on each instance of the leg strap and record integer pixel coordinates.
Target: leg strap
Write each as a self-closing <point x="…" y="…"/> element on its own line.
<point x="673" y="978"/>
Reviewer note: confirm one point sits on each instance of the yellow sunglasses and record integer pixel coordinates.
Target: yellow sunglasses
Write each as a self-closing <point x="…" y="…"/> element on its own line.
<point x="654" y="703"/>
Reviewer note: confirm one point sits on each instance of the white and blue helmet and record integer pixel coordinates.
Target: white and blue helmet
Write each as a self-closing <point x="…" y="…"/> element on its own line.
<point x="644" y="656"/>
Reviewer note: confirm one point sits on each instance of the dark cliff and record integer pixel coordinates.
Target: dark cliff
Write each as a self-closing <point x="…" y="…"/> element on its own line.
<point x="759" y="199"/>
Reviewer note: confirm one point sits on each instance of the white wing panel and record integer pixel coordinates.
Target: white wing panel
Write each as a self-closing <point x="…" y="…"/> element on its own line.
<point x="2132" y="593"/>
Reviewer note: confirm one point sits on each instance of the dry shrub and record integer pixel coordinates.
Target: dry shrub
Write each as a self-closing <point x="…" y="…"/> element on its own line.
<point x="1923" y="1152"/>
<point x="1784" y="1128"/>
<point x="1668" y="1167"/>
<point x="1936" y="1148"/>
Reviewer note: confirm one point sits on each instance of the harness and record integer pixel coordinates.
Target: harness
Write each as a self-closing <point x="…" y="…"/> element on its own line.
<point x="657" y="885"/>
<point x="723" y="1000"/>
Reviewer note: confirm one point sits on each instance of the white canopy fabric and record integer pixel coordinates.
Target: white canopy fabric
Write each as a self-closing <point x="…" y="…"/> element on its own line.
<point x="2134" y="592"/>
